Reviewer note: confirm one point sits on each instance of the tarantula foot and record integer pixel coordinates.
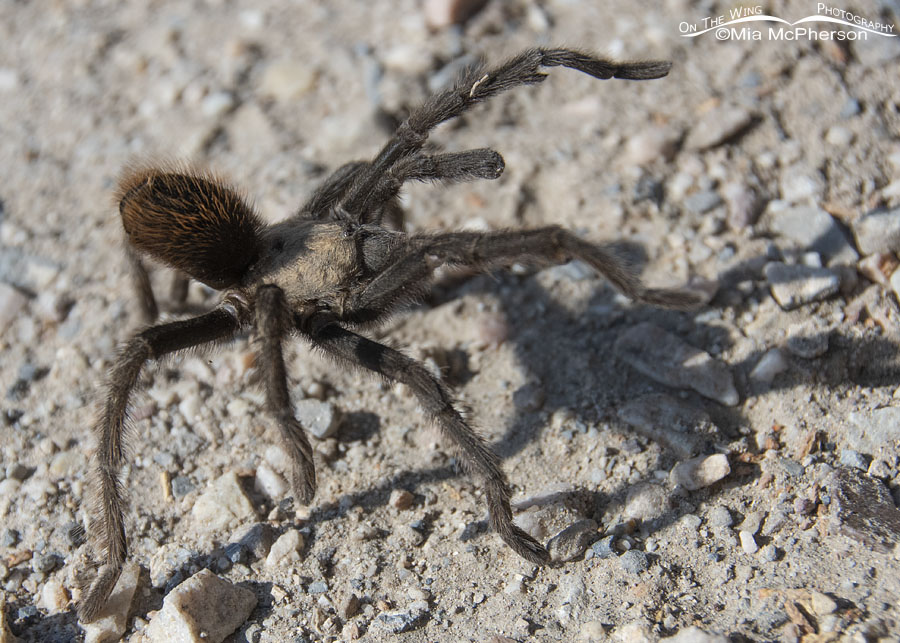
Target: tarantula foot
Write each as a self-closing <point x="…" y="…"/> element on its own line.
<point x="94" y="603"/>
<point x="526" y="546"/>
<point x="303" y="485"/>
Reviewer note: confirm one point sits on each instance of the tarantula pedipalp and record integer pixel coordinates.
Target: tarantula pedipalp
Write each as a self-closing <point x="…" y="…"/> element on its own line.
<point x="326" y="272"/>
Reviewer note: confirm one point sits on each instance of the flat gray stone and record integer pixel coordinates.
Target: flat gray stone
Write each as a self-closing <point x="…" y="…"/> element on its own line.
<point x="675" y="424"/>
<point x="813" y="229"/>
<point x="795" y="285"/>
<point x="667" y="359"/>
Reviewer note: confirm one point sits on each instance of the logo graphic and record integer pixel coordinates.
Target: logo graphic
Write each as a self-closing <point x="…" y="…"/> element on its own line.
<point x="738" y="25"/>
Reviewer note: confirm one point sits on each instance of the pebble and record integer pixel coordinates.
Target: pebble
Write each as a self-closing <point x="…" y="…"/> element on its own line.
<point x="806" y="342"/>
<point x="839" y="136"/>
<point x="667" y="359"/>
<point x="257" y="538"/>
<point x="717" y="126"/>
<point x="114" y="617"/>
<point x="11" y="303"/>
<point x="222" y="504"/>
<point x="870" y="431"/>
<point x="878" y="231"/>
<point x="570" y="543"/>
<point x="349" y="606"/>
<point x="270" y="483"/>
<point x="67" y="463"/>
<point x="10" y="538"/>
<point x="700" y="202"/>
<point x="634" y="561"/>
<point x="54" y="596"/>
<point x="443" y="13"/>
<point x="748" y="542"/>
<point x="719" y="516"/>
<point x="813" y="229"/>
<point x="700" y="472"/>
<point x="182" y="486"/>
<point x="646" y="501"/>
<point x="694" y="634"/>
<point x="652" y="144"/>
<point x="317" y="417"/>
<point x="743" y="203"/>
<point x="218" y="104"/>
<point x="795" y="285"/>
<point x="45" y="563"/>
<point x="800" y="186"/>
<point x="204" y="608"/>
<point x="287" y="80"/>
<point x="822" y="604"/>
<point x="317" y="587"/>
<point x="167" y="562"/>
<point x="398" y="621"/>
<point x="769" y="366"/>
<point x="286" y="550"/>
<point x="862" y="508"/>
<point x="675" y="424"/>
<point x="851" y="458"/>
<point x="603" y="548"/>
<point x="401" y="499"/>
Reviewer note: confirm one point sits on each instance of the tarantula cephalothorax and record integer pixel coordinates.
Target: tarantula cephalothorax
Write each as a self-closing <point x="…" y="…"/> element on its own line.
<point x="331" y="268"/>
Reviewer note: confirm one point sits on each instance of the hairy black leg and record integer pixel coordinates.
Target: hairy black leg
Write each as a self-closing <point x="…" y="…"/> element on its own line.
<point x="477" y="85"/>
<point x="450" y="168"/>
<point x="331" y="190"/>
<point x="273" y="323"/>
<point x="149" y="311"/>
<point x="107" y="523"/>
<point x="408" y="276"/>
<point x="475" y="455"/>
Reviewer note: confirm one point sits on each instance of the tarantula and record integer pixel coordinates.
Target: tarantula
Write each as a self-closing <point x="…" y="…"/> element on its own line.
<point x="327" y="272"/>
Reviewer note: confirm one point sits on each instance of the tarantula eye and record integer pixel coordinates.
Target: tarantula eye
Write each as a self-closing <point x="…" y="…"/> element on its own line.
<point x="190" y="222"/>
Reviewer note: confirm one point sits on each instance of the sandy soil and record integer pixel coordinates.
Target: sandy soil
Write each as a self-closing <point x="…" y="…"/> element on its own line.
<point x="747" y="154"/>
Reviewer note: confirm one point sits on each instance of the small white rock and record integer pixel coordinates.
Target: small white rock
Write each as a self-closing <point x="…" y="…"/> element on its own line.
<point x="223" y="503"/>
<point x="202" y="609"/>
<point x="769" y="365"/>
<point x="114" y="617"/>
<point x="701" y="471"/>
<point x="748" y="542"/>
<point x="11" y="302"/>
<point x="286" y="549"/>
<point x="54" y="596"/>
<point x="270" y="483"/>
<point x="286" y="80"/>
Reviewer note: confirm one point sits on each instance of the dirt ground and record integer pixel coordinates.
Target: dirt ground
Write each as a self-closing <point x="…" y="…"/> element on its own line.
<point x="749" y="167"/>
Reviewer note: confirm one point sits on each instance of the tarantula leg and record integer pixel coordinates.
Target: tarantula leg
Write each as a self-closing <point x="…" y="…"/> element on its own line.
<point x="552" y="244"/>
<point x="273" y="322"/>
<point x="478" y="84"/>
<point x="107" y="523"/>
<point x="474" y="453"/>
<point x="147" y="306"/>
<point x="449" y="168"/>
<point x="331" y="190"/>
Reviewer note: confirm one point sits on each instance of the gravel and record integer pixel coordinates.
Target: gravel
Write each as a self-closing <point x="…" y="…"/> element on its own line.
<point x="748" y="153"/>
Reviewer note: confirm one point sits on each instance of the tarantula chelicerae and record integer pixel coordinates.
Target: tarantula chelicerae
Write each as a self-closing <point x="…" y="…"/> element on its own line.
<point x="331" y="268"/>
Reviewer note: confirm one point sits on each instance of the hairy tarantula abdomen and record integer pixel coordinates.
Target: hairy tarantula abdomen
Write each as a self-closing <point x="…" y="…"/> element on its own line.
<point x="191" y="222"/>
